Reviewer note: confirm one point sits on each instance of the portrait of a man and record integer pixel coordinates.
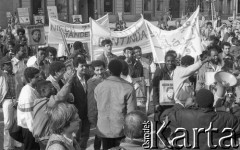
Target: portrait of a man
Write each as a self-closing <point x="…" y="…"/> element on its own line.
<point x="169" y="94"/>
<point x="36" y="35"/>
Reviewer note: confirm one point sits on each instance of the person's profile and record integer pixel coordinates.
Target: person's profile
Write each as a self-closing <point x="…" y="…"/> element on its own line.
<point x="36" y="35"/>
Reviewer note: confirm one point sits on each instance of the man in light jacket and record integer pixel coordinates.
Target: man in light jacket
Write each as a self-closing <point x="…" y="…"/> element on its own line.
<point x="115" y="98"/>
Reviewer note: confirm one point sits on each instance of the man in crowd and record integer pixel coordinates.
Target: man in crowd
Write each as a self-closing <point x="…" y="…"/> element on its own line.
<point x="214" y="65"/>
<point x="25" y="104"/>
<point x="115" y="98"/>
<point x="39" y="62"/>
<point x="204" y="117"/>
<point x="79" y="91"/>
<point x="51" y="54"/>
<point x="19" y="66"/>
<point x="107" y="54"/>
<point x="8" y="101"/>
<point x="56" y="71"/>
<point x="99" y="76"/>
<point x="225" y="57"/>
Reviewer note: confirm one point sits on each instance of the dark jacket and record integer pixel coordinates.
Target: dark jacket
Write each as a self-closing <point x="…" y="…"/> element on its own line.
<point x="80" y="97"/>
<point x="160" y="74"/>
<point x="201" y="118"/>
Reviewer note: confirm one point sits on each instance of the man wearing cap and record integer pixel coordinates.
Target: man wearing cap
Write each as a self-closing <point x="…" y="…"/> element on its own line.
<point x="203" y="117"/>
<point x="8" y="100"/>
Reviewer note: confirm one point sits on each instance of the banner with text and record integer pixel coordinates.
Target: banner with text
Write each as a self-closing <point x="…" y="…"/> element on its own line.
<point x="184" y="40"/>
<point x="135" y="35"/>
<point x="73" y="32"/>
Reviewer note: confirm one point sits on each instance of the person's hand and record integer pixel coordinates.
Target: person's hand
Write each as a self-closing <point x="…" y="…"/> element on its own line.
<point x="207" y="59"/>
<point x="71" y="74"/>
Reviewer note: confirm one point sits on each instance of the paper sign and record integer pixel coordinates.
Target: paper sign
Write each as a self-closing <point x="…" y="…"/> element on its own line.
<point x="8" y="14"/>
<point x="23" y="15"/>
<point x="39" y="20"/>
<point x="52" y="12"/>
<point x="36" y="35"/>
<point x="120" y="16"/>
<point x="77" y="19"/>
<point x="166" y="92"/>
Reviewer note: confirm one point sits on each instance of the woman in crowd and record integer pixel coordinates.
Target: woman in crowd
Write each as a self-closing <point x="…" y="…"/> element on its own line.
<point x="64" y="126"/>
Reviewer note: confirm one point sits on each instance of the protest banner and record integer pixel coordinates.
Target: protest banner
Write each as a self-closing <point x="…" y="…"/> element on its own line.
<point x="73" y="32"/>
<point x="166" y="96"/>
<point x="36" y="35"/>
<point x="77" y="19"/>
<point x="135" y="35"/>
<point x="39" y="20"/>
<point x="23" y="14"/>
<point x="52" y="12"/>
<point x="184" y="40"/>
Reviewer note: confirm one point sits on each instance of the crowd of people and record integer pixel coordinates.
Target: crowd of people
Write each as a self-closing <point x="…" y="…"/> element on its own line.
<point x="52" y="103"/>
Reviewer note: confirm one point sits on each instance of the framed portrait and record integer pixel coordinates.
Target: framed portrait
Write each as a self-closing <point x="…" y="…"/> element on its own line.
<point x="36" y="35"/>
<point x="166" y="92"/>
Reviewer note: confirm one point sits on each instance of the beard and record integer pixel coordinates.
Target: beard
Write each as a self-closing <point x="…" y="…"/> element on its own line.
<point x="215" y="61"/>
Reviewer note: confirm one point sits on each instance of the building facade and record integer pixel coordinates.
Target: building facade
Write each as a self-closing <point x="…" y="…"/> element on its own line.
<point x="132" y="9"/>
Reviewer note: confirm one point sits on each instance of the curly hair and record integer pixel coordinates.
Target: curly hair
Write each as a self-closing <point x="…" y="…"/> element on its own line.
<point x="97" y="63"/>
<point x="30" y="73"/>
<point x="51" y="50"/>
<point x="187" y="60"/>
<point x="20" y="30"/>
<point x="106" y="41"/>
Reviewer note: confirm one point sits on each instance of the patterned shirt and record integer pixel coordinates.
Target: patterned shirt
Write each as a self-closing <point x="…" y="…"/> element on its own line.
<point x="11" y="87"/>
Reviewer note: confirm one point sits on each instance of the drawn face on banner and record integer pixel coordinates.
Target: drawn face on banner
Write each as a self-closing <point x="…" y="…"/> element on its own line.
<point x="36" y="35"/>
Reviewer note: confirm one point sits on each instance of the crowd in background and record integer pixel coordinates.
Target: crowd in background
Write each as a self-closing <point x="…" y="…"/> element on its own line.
<point x="51" y="102"/>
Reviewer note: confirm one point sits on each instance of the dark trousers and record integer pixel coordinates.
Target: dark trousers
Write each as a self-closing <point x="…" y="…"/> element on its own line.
<point x="97" y="143"/>
<point x="29" y="141"/>
<point x="111" y="142"/>
<point x="83" y="134"/>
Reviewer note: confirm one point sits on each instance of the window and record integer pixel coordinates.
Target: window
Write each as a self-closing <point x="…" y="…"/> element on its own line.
<point x="220" y="6"/>
<point x="37" y="6"/>
<point x="127" y="6"/>
<point x="147" y="5"/>
<point x="159" y="6"/>
<point x="229" y="6"/>
<point x="108" y="5"/>
<point x="191" y="5"/>
<point x="238" y="8"/>
<point x="62" y="9"/>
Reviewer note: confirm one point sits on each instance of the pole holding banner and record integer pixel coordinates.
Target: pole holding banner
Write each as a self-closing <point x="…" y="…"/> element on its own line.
<point x="65" y="41"/>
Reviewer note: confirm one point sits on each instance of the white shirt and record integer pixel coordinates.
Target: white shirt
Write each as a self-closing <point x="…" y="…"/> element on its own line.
<point x="25" y="107"/>
<point x="18" y="65"/>
<point x="31" y="61"/>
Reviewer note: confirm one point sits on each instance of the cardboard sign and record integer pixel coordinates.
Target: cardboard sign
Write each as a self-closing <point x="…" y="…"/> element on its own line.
<point x="77" y="19"/>
<point x="52" y="12"/>
<point x="39" y="20"/>
<point x="36" y="35"/>
<point x="166" y="92"/>
<point x="23" y="14"/>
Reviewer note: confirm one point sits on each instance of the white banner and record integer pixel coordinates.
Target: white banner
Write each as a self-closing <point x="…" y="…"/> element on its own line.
<point x="135" y="35"/>
<point x="184" y="40"/>
<point x="73" y="32"/>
